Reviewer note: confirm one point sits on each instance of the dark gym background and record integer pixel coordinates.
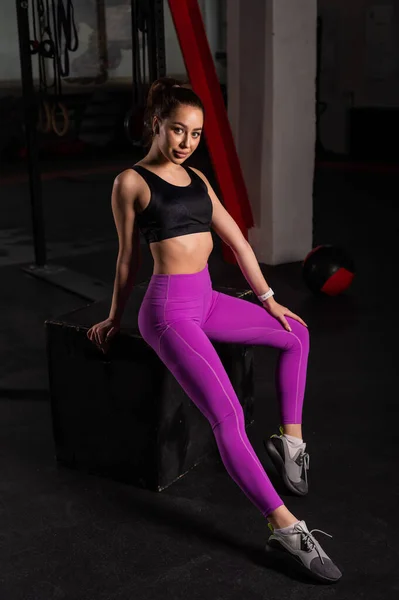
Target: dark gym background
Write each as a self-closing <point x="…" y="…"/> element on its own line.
<point x="67" y="535"/>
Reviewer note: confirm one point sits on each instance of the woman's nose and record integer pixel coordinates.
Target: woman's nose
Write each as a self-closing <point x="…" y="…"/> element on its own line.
<point x="185" y="142"/>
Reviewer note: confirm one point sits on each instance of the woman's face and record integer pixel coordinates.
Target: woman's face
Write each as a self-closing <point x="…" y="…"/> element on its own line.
<point x="180" y="133"/>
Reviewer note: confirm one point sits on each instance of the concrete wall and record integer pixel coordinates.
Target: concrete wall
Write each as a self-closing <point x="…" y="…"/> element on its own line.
<point x="360" y="62"/>
<point x="272" y="114"/>
<point x="246" y="89"/>
<point x="293" y="127"/>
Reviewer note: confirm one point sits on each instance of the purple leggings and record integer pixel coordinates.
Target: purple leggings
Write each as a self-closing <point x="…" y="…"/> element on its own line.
<point x="178" y="317"/>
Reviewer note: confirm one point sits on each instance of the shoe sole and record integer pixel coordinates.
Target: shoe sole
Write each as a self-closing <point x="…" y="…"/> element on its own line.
<point x="276" y="550"/>
<point x="280" y="466"/>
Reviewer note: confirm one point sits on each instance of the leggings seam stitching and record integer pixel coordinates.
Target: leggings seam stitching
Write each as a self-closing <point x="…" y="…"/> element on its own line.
<point x="297" y="379"/>
<point x="216" y="299"/>
<point x="259" y="327"/>
<point x="161" y="336"/>
<point x="256" y="460"/>
<point x="166" y="301"/>
<point x="164" y="316"/>
<point x="300" y="359"/>
<point x="248" y="342"/>
<point x="246" y="329"/>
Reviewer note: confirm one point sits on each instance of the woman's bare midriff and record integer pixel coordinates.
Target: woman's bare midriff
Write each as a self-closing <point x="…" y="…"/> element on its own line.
<point x="182" y="255"/>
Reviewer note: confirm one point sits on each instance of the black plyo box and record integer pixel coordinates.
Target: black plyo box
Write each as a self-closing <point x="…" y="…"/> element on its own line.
<point x="123" y="415"/>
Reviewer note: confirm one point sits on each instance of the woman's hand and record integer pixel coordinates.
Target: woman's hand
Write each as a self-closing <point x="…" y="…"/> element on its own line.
<point x="279" y="312"/>
<point x="101" y="333"/>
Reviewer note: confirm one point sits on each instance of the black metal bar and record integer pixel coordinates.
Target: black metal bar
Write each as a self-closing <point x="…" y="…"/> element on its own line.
<point x="30" y="116"/>
<point x="159" y="22"/>
<point x="151" y="43"/>
<point x="148" y="17"/>
<point x="156" y="40"/>
<point x="102" y="40"/>
<point x="135" y="52"/>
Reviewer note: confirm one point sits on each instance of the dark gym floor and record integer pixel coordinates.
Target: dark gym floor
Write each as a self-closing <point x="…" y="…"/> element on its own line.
<point x="67" y="535"/>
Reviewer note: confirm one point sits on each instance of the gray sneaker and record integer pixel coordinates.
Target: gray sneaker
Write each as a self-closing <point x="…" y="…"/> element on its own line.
<point x="302" y="548"/>
<point x="294" y="471"/>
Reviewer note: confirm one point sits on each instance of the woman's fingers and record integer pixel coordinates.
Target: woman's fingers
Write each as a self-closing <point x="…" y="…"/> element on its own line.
<point x="99" y="337"/>
<point x="284" y="323"/>
<point x="94" y="336"/>
<point x="280" y="313"/>
<point x="110" y="334"/>
<point x="296" y="318"/>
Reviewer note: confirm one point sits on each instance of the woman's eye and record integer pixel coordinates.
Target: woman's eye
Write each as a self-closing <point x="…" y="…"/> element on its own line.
<point x="179" y="131"/>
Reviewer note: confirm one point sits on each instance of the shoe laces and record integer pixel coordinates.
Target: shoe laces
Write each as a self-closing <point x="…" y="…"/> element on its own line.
<point x="309" y="541"/>
<point x="303" y="461"/>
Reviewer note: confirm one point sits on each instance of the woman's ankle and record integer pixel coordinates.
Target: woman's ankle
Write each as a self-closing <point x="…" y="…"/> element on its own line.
<point x="293" y="429"/>
<point x="281" y="517"/>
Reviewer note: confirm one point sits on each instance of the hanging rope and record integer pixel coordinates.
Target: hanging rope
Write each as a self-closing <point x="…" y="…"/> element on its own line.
<point x="67" y="35"/>
<point x="140" y="28"/>
<point x="55" y="36"/>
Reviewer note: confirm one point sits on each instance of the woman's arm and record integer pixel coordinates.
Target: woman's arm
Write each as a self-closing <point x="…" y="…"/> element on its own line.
<point x="228" y="230"/>
<point x="124" y="195"/>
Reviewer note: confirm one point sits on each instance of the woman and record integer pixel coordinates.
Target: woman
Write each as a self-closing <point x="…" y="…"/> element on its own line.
<point x="175" y="207"/>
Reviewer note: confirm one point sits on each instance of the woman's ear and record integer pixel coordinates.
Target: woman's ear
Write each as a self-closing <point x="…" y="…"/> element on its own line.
<point x="155" y="126"/>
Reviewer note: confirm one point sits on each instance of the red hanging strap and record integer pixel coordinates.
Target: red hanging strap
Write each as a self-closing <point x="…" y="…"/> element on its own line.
<point x="201" y="70"/>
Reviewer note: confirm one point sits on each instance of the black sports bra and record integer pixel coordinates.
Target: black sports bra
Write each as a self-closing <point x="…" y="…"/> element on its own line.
<point x="174" y="210"/>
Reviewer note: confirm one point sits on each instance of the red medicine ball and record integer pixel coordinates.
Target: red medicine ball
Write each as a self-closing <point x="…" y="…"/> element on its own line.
<point x="328" y="270"/>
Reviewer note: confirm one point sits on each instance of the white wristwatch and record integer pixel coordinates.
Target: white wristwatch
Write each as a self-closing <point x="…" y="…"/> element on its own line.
<point x="266" y="295"/>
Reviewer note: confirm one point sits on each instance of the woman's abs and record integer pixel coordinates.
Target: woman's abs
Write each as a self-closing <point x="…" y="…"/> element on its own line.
<point x="183" y="254"/>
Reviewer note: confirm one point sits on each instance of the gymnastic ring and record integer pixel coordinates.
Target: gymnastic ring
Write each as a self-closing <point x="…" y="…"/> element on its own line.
<point x="126" y="125"/>
<point x="60" y="132"/>
<point x="132" y="125"/>
<point x="44" y="117"/>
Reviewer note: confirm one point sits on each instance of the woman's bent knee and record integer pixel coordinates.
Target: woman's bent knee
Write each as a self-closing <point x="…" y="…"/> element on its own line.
<point x="299" y="336"/>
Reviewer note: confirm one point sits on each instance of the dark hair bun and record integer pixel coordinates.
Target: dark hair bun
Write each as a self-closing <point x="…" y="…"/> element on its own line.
<point x="159" y="88"/>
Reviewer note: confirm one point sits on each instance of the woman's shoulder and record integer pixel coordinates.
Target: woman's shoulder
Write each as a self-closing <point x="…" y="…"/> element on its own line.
<point x="196" y="171"/>
<point x="128" y="186"/>
<point x="127" y="178"/>
<point x="200" y="175"/>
